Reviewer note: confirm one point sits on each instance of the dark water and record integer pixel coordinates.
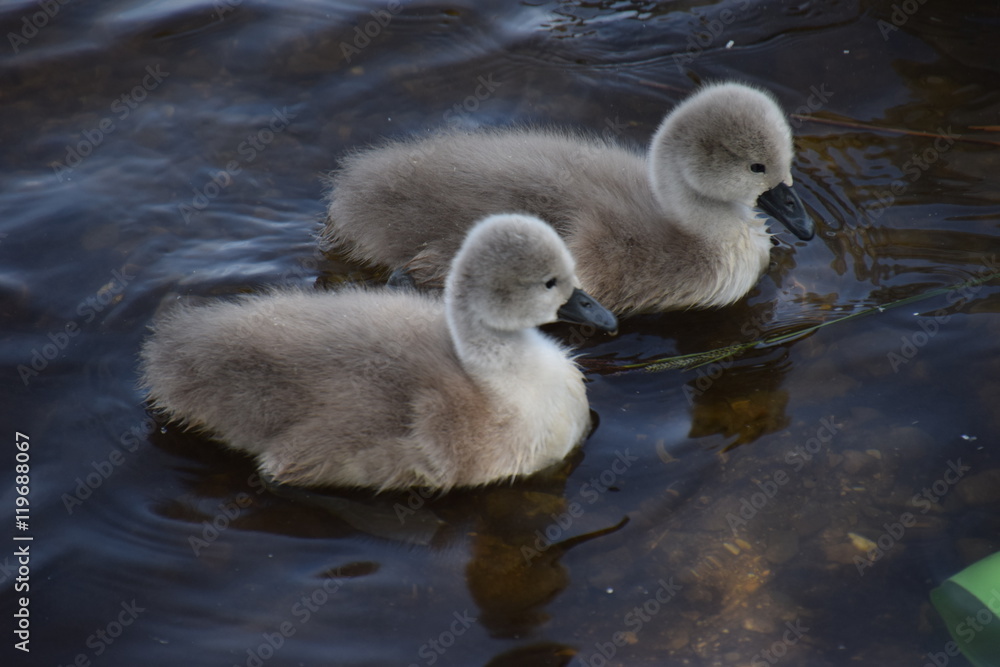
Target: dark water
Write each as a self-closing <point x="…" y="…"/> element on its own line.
<point x="162" y="148"/>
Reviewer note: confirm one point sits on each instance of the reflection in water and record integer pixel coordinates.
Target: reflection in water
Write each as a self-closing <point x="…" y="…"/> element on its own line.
<point x="742" y="402"/>
<point x="513" y="575"/>
<point x="872" y="241"/>
<point x="737" y="396"/>
<point x="536" y="655"/>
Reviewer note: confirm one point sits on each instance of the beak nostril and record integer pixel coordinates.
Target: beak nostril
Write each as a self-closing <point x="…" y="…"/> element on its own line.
<point x="584" y="309"/>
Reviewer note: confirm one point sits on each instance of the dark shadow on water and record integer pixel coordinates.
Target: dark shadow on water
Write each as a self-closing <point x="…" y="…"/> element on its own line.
<point x="519" y="530"/>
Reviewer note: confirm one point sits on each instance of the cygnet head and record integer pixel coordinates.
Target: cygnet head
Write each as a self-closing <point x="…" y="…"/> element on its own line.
<point x="513" y="272"/>
<point x="731" y="143"/>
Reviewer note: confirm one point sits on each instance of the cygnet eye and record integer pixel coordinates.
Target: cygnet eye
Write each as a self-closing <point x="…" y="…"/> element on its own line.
<point x="758" y="168"/>
<point x="550" y="283"/>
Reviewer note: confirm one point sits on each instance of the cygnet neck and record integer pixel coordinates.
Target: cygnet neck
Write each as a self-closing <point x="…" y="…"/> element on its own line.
<point x="708" y="217"/>
<point x="485" y="350"/>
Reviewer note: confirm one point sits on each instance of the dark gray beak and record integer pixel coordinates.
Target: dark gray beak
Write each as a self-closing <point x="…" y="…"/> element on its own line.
<point x="583" y="309"/>
<point x="782" y="204"/>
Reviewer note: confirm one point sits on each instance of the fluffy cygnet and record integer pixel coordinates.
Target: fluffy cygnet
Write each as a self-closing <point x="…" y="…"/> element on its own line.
<point x="674" y="229"/>
<point x="391" y="388"/>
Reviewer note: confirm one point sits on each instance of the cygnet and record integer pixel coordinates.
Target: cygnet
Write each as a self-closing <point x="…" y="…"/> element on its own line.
<point x="675" y="228"/>
<point x="391" y="388"/>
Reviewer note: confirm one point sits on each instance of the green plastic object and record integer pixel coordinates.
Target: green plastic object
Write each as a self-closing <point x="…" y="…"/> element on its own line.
<point x="969" y="603"/>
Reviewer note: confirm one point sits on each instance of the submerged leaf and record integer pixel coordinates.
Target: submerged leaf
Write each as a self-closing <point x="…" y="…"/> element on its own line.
<point x="689" y="361"/>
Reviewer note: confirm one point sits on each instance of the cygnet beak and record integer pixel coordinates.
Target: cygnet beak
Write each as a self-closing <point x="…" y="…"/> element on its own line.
<point x="782" y="204"/>
<point x="584" y="309"/>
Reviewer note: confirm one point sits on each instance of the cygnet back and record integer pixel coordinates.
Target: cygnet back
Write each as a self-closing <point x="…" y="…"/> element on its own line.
<point x="672" y="228"/>
<point x="390" y="388"/>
